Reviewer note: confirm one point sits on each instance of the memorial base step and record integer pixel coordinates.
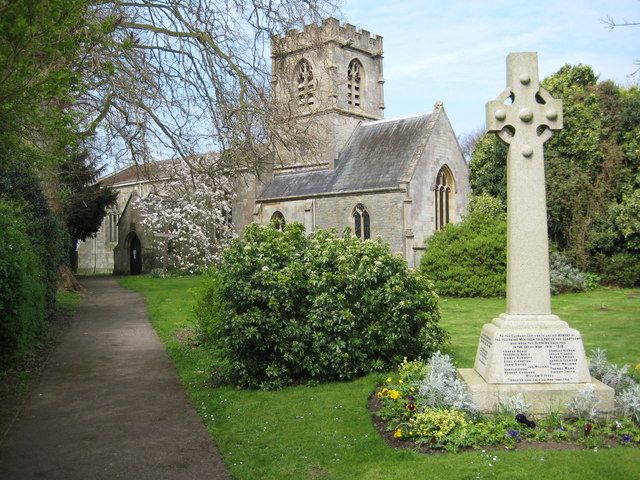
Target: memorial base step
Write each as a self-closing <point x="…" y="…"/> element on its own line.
<point x="543" y="397"/>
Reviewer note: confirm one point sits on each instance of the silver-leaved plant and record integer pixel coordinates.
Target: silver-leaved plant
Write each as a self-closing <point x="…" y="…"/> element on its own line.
<point x="441" y="387"/>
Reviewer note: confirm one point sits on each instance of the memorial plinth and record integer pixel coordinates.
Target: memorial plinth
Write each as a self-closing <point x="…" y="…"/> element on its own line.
<point x="531" y="353"/>
<point x="528" y="350"/>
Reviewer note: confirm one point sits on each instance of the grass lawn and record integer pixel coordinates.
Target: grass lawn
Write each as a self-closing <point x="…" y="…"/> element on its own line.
<point x="327" y="432"/>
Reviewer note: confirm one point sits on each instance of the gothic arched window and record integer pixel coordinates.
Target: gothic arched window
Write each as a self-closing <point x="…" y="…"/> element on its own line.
<point x="444" y="203"/>
<point x="306" y="83"/>
<point x="277" y="220"/>
<point x="112" y="225"/>
<point x="361" y="222"/>
<point x="354" y="78"/>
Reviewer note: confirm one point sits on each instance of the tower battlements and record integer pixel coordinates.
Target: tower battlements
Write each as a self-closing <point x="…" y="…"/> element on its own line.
<point x="313" y="35"/>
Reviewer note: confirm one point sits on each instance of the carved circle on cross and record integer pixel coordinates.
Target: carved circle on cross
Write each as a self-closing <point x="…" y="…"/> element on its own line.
<point x="532" y="113"/>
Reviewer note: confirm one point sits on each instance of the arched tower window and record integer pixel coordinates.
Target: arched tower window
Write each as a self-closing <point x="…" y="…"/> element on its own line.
<point x="278" y="221"/>
<point x="361" y="222"/>
<point x="444" y="197"/>
<point x="306" y="83"/>
<point x="354" y="78"/>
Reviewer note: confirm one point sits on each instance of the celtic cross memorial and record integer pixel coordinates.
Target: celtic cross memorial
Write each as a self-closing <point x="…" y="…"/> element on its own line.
<point x="527" y="349"/>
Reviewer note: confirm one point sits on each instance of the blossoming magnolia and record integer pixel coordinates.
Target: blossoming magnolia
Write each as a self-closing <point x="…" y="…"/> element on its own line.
<point x="194" y="205"/>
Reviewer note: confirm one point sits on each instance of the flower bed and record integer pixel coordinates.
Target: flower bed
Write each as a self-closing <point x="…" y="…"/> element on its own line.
<point x="425" y="405"/>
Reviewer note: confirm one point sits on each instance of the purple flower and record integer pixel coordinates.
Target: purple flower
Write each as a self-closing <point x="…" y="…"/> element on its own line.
<point x="411" y="399"/>
<point x="514" y="434"/>
<point x="521" y="418"/>
<point x="626" y="438"/>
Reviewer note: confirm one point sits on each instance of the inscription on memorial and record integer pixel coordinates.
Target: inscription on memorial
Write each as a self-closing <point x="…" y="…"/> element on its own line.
<point x="485" y="346"/>
<point x="538" y="357"/>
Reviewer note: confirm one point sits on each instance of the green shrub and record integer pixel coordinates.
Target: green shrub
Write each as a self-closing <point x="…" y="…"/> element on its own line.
<point x="22" y="288"/>
<point x="300" y="309"/>
<point x="468" y="259"/>
<point x="621" y="269"/>
<point x="22" y="187"/>
<point x="209" y="306"/>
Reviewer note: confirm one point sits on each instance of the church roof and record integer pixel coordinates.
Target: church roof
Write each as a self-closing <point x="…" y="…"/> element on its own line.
<point x="379" y="156"/>
<point x="137" y="173"/>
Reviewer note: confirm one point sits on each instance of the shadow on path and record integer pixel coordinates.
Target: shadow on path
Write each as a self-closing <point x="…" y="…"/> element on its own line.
<point x="109" y="403"/>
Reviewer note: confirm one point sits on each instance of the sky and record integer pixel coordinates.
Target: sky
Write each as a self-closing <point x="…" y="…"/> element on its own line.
<point x="455" y="51"/>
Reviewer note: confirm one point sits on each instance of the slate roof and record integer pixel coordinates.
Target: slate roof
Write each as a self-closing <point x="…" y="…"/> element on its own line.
<point x="378" y="156"/>
<point x="136" y="173"/>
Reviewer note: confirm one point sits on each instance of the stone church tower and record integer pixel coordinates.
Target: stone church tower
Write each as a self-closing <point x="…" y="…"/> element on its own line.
<point x="329" y="78"/>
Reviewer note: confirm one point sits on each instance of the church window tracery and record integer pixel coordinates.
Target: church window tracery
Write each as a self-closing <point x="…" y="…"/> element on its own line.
<point x="361" y="222"/>
<point x="306" y="83"/>
<point x="277" y="220"/>
<point x="354" y="78"/>
<point x="443" y="197"/>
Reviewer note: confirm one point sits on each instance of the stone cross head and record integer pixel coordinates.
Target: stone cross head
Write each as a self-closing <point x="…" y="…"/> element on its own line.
<point x="533" y="114"/>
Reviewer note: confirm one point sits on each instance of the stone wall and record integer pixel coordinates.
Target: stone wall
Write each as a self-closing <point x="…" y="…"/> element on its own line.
<point x="442" y="149"/>
<point x="385" y="213"/>
<point x="95" y="255"/>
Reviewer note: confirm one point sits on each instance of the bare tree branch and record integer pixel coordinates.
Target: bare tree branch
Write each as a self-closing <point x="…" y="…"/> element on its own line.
<point x="611" y="24"/>
<point x="183" y="77"/>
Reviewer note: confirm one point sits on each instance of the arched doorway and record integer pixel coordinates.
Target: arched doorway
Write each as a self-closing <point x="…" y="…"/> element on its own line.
<point x="135" y="255"/>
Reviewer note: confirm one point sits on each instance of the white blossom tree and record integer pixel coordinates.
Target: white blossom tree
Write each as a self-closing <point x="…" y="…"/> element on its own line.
<point x="193" y="207"/>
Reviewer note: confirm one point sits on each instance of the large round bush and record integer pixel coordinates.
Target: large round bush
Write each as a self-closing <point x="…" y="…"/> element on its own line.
<point x="22" y="288"/>
<point x="468" y="259"/>
<point x="315" y="309"/>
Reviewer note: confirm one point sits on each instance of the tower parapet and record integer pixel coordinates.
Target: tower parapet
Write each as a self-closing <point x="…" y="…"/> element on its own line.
<point x="313" y="35"/>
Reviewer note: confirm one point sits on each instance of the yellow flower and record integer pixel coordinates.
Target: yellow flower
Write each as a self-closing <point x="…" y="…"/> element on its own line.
<point x="379" y="394"/>
<point x="413" y="389"/>
<point x="398" y="433"/>
<point x="394" y="394"/>
<point x="638" y="366"/>
<point x="400" y="381"/>
<point x="389" y="380"/>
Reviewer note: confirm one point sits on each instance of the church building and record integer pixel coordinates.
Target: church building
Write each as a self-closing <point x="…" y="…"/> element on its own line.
<point x="399" y="179"/>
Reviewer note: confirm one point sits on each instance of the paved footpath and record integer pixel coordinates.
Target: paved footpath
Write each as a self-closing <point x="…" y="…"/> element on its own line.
<point x="109" y="403"/>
